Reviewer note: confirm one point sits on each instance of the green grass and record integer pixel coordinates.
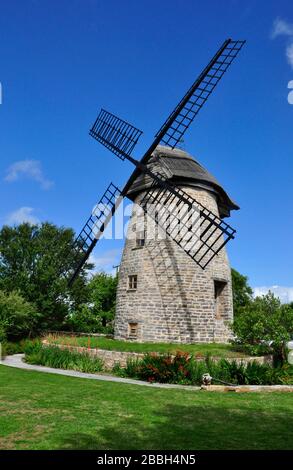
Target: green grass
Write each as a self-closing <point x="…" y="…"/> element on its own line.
<point x="219" y="350"/>
<point x="46" y="411"/>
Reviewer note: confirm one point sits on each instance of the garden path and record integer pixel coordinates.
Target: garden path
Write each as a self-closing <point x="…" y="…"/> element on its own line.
<point x="17" y="361"/>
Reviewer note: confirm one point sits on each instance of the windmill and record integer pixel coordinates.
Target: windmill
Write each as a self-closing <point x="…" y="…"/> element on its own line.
<point x="203" y="233"/>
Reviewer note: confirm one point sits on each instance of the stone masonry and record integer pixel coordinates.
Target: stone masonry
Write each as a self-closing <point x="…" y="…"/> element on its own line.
<point x="174" y="299"/>
<point x="112" y="358"/>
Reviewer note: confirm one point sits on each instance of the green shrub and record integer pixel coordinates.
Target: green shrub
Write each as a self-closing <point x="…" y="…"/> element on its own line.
<point x="257" y="349"/>
<point x="242" y="292"/>
<point x="2" y="333"/>
<point x="18" y="347"/>
<point x="86" y="320"/>
<point x="97" y="315"/>
<point x="17" y="316"/>
<point x="63" y="359"/>
<point x="29" y="346"/>
<point x="132" y="369"/>
<point x="264" y="326"/>
<point x="166" y="368"/>
<point x="118" y="370"/>
<point x="9" y="348"/>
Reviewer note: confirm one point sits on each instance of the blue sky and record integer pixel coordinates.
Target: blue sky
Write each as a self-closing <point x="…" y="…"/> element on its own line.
<point x="63" y="60"/>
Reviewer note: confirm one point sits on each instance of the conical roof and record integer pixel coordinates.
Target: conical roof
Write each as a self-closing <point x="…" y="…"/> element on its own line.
<point x="181" y="168"/>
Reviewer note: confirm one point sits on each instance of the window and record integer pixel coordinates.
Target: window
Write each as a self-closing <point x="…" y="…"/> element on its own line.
<point x="140" y="239"/>
<point x="132" y="330"/>
<point x="132" y="282"/>
<point x="219" y="287"/>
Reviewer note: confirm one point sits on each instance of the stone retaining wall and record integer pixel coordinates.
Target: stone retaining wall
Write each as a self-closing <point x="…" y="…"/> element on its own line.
<point x="247" y="388"/>
<point x="110" y="358"/>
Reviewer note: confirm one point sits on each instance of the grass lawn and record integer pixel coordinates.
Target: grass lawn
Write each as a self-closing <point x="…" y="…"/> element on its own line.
<point x="46" y="411"/>
<point x="220" y="350"/>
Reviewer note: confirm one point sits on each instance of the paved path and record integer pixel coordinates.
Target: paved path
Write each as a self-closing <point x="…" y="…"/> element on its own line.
<point x="17" y="361"/>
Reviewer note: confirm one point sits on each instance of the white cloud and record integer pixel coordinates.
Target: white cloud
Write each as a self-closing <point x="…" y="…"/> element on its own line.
<point x="23" y="214"/>
<point x="289" y="54"/>
<point x="106" y="261"/>
<point x="283" y="28"/>
<point x="28" y="168"/>
<point x="285" y="294"/>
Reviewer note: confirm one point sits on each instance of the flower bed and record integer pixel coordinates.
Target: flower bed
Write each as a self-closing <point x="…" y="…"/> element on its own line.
<point x="181" y="368"/>
<point x="111" y="357"/>
<point x="185" y="369"/>
<point x="60" y="358"/>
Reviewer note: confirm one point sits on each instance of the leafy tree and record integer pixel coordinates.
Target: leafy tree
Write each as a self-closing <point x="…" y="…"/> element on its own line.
<point x="264" y="325"/>
<point x="98" y="313"/>
<point x="102" y="289"/>
<point x="34" y="260"/>
<point x="18" y="318"/>
<point x="85" y="320"/>
<point x="242" y="292"/>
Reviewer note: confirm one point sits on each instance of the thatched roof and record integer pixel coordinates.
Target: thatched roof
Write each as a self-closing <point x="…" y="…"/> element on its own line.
<point x="182" y="169"/>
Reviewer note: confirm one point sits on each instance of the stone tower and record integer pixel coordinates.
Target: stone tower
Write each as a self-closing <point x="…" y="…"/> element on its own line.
<point x="163" y="295"/>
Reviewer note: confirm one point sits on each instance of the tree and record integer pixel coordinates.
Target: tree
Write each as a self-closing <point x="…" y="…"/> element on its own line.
<point x="265" y="325"/>
<point x="98" y="313"/>
<point x="86" y="320"/>
<point x="18" y="318"/>
<point x="34" y="260"/>
<point x="242" y="292"/>
<point x="102" y="289"/>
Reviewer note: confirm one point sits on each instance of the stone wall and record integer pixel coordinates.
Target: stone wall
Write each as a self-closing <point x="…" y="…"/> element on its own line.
<point x="175" y="299"/>
<point x="248" y="388"/>
<point x="110" y="358"/>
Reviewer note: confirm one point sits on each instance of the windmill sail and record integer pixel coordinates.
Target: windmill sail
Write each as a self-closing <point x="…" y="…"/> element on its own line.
<point x="197" y="230"/>
<point x="121" y="137"/>
<point x="94" y="227"/>
<point x="117" y="135"/>
<point x="203" y="234"/>
<point x="183" y="115"/>
<point x="175" y="126"/>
